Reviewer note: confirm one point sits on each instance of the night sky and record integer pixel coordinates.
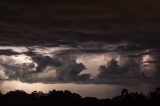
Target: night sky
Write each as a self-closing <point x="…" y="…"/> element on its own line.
<point x="91" y="47"/>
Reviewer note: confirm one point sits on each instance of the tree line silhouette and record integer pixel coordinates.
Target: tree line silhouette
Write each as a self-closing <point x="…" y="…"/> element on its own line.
<point x="66" y="98"/>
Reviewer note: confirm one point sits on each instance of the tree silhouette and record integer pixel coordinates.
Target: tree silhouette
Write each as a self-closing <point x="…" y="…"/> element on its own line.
<point x="63" y="98"/>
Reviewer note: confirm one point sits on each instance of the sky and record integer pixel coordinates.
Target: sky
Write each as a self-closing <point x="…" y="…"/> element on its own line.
<point x="91" y="47"/>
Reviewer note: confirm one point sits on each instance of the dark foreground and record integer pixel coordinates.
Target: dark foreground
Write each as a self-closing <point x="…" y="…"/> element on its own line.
<point x="66" y="98"/>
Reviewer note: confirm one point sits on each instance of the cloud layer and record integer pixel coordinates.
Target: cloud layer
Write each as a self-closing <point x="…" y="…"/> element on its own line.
<point x="63" y="22"/>
<point x="42" y="41"/>
<point x="67" y="66"/>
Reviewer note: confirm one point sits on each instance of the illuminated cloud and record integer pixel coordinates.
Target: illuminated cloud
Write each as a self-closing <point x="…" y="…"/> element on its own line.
<point x="53" y="65"/>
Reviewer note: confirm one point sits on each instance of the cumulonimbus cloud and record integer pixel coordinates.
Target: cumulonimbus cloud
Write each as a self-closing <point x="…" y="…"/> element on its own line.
<point x="63" y="67"/>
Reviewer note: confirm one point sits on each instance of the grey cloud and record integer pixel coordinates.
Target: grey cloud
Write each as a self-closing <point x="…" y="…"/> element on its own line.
<point x="128" y="73"/>
<point x="16" y="71"/>
<point x="59" y="68"/>
<point x="62" y="67"/>
<point x="67" y="70"/>
<point x="43" y="61"/>
<point x="156" y="62"/>
<point x="140" y="53"/>
<point x="70" y="70"/>
<point x="8" y="52"/>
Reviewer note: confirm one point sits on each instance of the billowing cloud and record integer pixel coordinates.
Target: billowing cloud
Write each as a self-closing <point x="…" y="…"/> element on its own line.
<point x="70" y="70"/>
<point x="78" y="66"/>
<point x="32" y="67"/>
<point x="130" y="70"/>
<point x="43" y="61"/>
<point x="127" y="73"/>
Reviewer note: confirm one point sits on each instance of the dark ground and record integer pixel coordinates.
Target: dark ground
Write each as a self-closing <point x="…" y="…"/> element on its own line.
<point x="66" y="98"/>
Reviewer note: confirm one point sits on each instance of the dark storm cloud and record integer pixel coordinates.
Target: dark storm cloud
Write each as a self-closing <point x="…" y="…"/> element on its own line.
<point x="70" y="70"/>
<point x="43" y="61"/>
<point x="156" y="62"/>
<point x="48" y="22"/>
<point x="128" y="73"/>
<point x="139" y="53"/>
<point x="8" y="52"/>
